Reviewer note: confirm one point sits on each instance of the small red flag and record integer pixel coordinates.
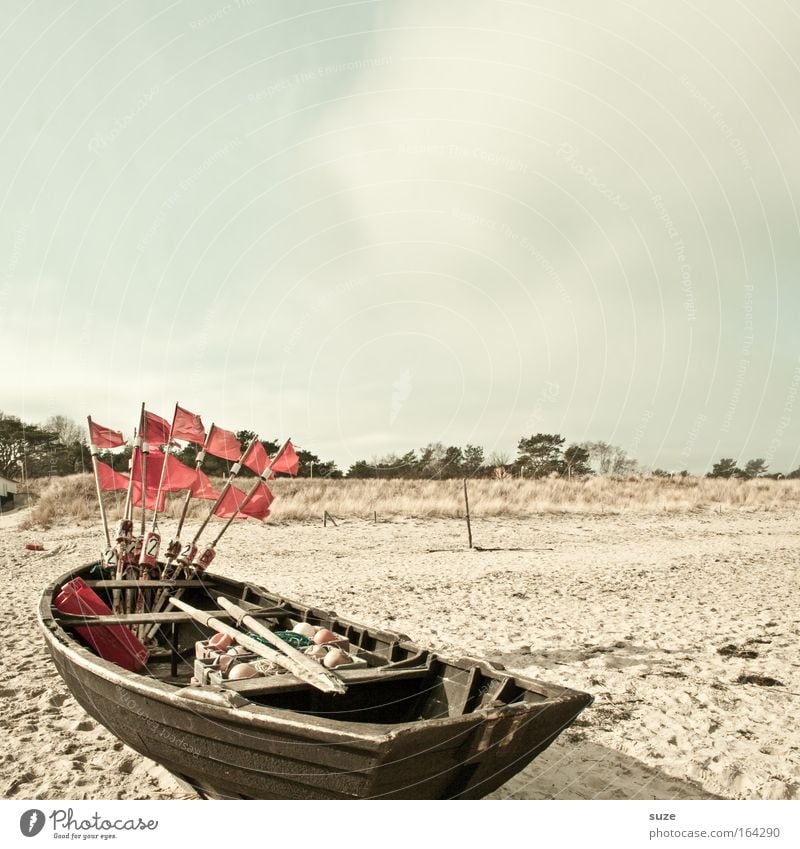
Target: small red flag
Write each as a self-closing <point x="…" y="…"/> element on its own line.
<point x="256" y="458"/>
<point x="203" y="487"/>
<point x="188" y="426"/>
<point x="151" y="497"/>
<point x="287" y="461"/>
<point x="177" y="476"/>
<point x="256" y="508"/>
<point x="156" y="429"/>
<point x="110" y="481"/>
<point x="223" y="443"/>
<point x="104" y="437"/>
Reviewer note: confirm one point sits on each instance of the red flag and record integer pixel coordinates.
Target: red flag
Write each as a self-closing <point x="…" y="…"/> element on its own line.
<point x="223" y="443"/>
<point x="177" y="476"/>
<point x="188" y="426"/>
<point x="104" y="437"/>
<point x="287" y="461"/>
<point x="156" y="429"/>
<point x="256" y="458"/>
<point x="151" y="497"/>
<point x="203" y="488"/>
<point x="110" y="481"/>
<point x="154" y="463"/>
<point x="256" y="508"/>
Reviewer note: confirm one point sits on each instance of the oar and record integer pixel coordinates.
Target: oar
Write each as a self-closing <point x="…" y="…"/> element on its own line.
<point x="311" y="667"/>
<point x="321" y="678"/>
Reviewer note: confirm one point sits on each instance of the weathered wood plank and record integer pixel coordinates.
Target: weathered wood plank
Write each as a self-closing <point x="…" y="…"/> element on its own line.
<point x="70" y="621"/>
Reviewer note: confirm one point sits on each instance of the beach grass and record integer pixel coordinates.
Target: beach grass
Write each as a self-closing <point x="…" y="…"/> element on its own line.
<point x="73" y="498"/>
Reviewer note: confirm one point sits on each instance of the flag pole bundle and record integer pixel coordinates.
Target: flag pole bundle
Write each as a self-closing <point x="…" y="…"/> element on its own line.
<point x="147" y="483"/>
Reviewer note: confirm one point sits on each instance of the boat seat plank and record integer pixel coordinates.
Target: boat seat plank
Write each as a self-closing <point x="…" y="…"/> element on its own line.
<point x="67" y="621"/>
<point x="263" y="686"/>
<point x="132" y="584"/>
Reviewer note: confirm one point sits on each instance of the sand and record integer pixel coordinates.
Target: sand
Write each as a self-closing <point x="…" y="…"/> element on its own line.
<point x="632" y="608"/>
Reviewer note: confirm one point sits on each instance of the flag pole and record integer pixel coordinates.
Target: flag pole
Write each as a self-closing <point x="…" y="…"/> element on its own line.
<point x="187" y="555"/>
<point x="145" y="452"/>
<point x="237" y="467"/>
<point x="163" y="470"/>
<point x="128" y="512"/>
<point x="198" y="462"/>
<point x="262" y="478"/>
<point x="94" y="452"/>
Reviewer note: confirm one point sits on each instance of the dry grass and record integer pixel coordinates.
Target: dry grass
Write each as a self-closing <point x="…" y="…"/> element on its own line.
<point x="73" y="498"/>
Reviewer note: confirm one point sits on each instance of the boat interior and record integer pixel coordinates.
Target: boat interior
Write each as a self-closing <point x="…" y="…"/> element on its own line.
<point x="395" y="681"/>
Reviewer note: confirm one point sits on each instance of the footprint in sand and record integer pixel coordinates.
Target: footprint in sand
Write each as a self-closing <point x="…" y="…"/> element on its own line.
<point x="127" y="766"/>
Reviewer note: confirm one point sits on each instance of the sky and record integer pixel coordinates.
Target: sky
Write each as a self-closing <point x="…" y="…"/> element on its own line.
<point x="374" y="225"/>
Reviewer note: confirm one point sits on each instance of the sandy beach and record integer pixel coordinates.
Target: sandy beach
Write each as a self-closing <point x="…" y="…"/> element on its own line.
<point x="664" y="618"/>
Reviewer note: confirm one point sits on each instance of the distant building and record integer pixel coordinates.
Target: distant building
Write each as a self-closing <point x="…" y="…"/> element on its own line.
<point x="7" y="491"/>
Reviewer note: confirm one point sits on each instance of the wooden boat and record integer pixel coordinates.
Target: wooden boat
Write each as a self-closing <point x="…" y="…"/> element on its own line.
<point x="412" y="724"/>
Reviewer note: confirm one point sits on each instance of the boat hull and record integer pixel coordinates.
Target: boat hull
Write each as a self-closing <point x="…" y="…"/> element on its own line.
<point x="226" y="746"/>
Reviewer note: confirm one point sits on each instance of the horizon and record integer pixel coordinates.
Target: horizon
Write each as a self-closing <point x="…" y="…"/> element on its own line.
<point x="511" y="453"/>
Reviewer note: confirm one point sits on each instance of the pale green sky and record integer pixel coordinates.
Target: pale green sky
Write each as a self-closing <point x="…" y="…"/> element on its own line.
<point x="372" y="225"/>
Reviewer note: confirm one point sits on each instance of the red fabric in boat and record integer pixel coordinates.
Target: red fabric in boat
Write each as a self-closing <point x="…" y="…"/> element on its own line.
<point x="111" y="642"/>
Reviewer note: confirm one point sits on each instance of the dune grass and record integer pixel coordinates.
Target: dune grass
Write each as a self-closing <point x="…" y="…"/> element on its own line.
<point x="73" y="498"/>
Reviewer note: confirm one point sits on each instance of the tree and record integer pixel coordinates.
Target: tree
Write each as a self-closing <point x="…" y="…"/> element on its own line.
<point x="576" y="462"/>
<point x="431" y="460"/>
<point x="661" y="473"/>
<point x="755" y="468"/>
<point x="452" y="463"/>
<point x="66" y="430"/>
<point x="609" y="459"/>
<point x="22" y="447"/>
<point x="725" y="468"/>
<point x="473" y="459"/>
<point x="540" y="454"/>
